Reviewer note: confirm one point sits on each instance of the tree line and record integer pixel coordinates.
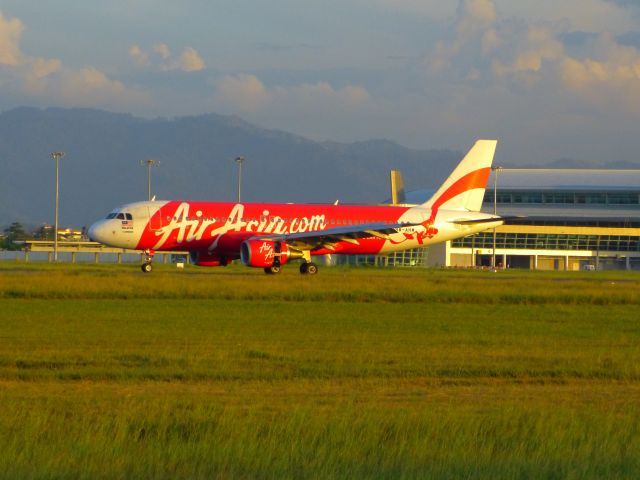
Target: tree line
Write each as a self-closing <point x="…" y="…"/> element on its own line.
<point x="15" y="234"/>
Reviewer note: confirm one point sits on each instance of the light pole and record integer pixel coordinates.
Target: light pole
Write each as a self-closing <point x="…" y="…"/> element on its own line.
<point x="56" y="156"/>
<point x="239" y="161"/>
<point x="496" y="170"/>
<point x="149" y="163"/>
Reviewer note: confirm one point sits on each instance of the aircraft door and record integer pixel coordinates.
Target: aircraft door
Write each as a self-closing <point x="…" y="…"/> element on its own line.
<point x="156" y="221"/>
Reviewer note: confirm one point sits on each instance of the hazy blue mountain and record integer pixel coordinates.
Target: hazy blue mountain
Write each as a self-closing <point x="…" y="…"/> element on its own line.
<point x="102" y="169"/>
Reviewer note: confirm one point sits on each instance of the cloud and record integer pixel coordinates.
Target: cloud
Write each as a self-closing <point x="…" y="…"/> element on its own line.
<point x="611" y="78"/>
<point x="36" y="77"/>
<point x="163" y="50"/>
<point x="242" y="93"/>
<point x="534" y="58"/>
<point x="473" y="25"/>
<point x="49" y="79"/>
<point x="323" y="95"/>
<point x="247" y="94"/>
<point x="188" y="61"/>
<point x="27" y="74"/>
<point x="139" y="56"/>
<point x="89" y="85"/>
<point x="10" y="33"/>
<point x="191" y="61"/>
<point x="474" y="14"/>
<point x="319" y="109"/>
<point x="539" y="44"/>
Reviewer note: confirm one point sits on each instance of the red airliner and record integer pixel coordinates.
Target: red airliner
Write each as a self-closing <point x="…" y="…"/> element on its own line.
<point x="269" y="235"/>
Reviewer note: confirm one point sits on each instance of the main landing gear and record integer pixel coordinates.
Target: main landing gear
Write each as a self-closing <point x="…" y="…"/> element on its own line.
<point x="308" y="268"/>
<point x="146" y="266"/>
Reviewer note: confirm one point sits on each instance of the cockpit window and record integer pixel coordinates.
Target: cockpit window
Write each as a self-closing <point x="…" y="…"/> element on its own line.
<point x="120" y="216"/>
<point x="129" y="216"/>
<point x="111" y="215"/>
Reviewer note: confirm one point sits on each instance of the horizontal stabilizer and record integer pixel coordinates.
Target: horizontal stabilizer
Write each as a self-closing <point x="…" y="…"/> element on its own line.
<point x="483" y="220"/>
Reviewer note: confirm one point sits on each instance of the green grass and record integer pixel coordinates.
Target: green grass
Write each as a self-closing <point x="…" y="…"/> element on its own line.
<point x="366" y="373"/>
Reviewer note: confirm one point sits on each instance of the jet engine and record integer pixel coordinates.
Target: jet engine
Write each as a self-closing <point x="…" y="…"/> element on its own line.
<point x="266" y="253"/>
<point x="205" y="259"/>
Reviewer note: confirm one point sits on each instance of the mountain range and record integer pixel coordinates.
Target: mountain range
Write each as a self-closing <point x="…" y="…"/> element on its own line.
<point x="102" y="167"/>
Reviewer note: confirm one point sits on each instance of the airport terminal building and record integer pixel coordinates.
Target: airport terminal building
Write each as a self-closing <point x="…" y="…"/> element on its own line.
<point x="569" y="220"/>
<point x="560" y="220"/>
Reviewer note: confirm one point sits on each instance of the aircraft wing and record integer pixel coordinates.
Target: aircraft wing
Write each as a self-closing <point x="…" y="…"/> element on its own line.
<point x="329" y="237"/>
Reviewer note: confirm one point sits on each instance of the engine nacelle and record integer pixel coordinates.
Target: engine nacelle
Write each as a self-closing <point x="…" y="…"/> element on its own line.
<point x="264" y="253"/>
<point x="205" y="259"/>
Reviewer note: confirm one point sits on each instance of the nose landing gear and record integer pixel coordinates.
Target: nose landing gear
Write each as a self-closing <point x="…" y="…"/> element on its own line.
<point x="147" y="266"/>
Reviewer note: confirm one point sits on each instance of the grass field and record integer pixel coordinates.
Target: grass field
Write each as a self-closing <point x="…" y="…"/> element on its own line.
<point x="106" y="372"/>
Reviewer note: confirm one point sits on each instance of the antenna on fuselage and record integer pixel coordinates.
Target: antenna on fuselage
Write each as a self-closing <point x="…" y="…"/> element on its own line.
<point x="153" y="199"/>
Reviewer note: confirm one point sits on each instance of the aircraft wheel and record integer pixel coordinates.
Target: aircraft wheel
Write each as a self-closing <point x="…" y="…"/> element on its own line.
<point x="308" y="268"/>
<point x="146" y="267"/>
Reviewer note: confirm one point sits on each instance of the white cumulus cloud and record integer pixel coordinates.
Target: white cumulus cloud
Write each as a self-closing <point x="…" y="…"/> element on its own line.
<point x="528" y="51"/>
<point x="163" y="50"/>
<point x="320" y="107"/>
<point x="242" y="93"/>
<point x="10" y="33"/>
<point x="139" y="56"/>
<point x="50" y="79"/>
<point x="27" y="74"/>
<point x="531" y="55"/>
<point x="189" y="60"/>
<point x="608" y="78"/>
<point x="246" y="93"/>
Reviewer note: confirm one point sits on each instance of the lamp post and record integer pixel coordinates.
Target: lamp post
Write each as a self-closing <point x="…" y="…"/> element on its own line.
<point x="496" y="171"/>
<point x="239" y="161"/>
<point x="149" y="163"/>
<point x="56" y="156"/>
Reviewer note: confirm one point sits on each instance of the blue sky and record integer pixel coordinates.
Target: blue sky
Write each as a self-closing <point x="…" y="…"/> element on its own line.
<point x="549" y="79"/>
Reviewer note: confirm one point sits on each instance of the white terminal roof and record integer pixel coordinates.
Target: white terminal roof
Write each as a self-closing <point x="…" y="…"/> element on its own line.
<point x="566" y="179"/>
<point x="618" y="212"/>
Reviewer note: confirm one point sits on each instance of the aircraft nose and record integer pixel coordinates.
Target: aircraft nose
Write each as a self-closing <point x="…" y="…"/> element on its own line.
<point x="96" y="233"/>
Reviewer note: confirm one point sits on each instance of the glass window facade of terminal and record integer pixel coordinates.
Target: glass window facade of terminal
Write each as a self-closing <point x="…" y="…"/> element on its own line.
<point x="416" y="257"/>
<point x="548" y="241"/>
<point x="563" y="198"/>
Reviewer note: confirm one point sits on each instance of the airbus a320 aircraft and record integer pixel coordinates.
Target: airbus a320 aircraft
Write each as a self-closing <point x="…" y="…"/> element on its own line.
<point x="269" y="235"/>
